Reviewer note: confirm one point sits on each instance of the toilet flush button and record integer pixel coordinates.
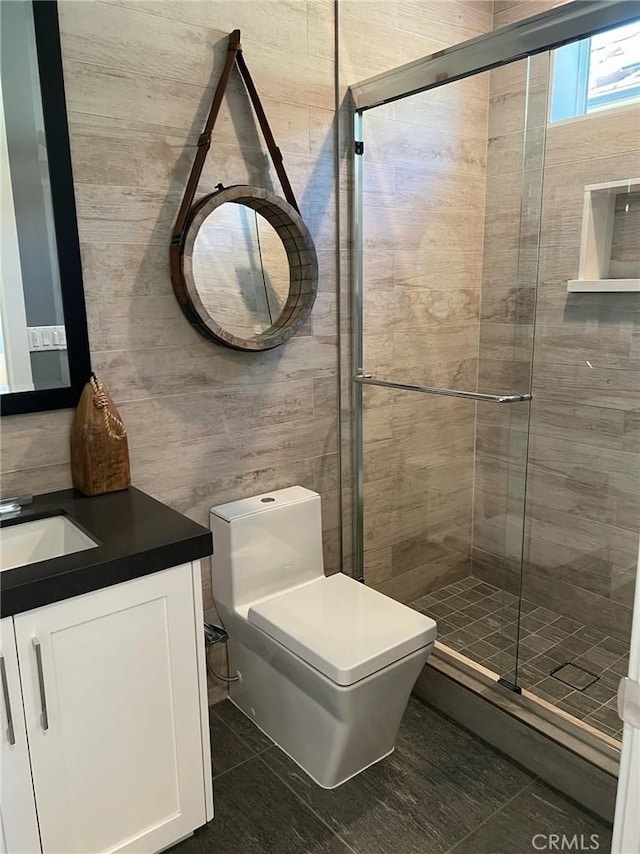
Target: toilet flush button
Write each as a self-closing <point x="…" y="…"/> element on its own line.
<point x="267" y="500"/>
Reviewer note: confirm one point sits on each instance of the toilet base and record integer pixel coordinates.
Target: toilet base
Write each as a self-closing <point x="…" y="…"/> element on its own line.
<point x="332" y="732"/>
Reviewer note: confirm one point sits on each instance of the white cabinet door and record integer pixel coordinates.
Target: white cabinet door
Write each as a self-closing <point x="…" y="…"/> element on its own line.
<point x="19" y="826"/>
<point x="111" y="696"/>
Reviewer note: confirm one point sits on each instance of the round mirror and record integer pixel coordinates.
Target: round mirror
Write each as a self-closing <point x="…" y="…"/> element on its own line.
<point x="248" y="269"/>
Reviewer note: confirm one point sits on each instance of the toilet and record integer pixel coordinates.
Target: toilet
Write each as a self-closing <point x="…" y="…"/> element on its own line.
<point x="325" y="664"/>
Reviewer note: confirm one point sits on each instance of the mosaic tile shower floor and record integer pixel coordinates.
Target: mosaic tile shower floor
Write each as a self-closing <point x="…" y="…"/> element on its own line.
<point x="480" y="621"/>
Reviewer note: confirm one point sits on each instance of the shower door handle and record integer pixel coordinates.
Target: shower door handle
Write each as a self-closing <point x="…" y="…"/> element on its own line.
<point x="367" y="379"/>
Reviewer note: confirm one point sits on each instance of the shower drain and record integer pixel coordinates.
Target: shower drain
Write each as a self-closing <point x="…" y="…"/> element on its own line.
<point x="574" y="675"/>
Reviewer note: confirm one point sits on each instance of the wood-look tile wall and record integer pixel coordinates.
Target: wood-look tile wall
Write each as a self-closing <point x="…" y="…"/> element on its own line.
<point x="582" y="515"/>
<point x="424" y="167"/>
<point x="206" y="424"/>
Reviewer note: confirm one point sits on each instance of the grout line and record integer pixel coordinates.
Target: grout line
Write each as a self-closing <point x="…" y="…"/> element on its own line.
<point x="243" y="762"/>
<point x="489" y="817"/>
<point x="308" y="806"/>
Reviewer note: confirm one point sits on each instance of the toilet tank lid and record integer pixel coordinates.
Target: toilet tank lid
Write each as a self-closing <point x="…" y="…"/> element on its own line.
<point x="261" y="503"/>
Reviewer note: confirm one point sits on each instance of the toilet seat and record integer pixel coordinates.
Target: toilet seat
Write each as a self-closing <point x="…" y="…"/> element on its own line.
<point x="345" y="630"/>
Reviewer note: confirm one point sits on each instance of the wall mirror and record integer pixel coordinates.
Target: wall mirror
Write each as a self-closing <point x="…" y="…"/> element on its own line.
<point x="44" y="351"/>
<point x="248" y="269"/>
<point x="243" y="265"/>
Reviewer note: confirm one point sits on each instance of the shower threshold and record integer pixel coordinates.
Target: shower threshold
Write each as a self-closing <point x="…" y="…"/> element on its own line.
<point x="575" y="668"/>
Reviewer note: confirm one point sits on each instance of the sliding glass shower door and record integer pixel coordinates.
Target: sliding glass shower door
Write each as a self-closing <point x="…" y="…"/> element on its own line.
<point x="496" y="369"/>
<point x="449" y="216"/>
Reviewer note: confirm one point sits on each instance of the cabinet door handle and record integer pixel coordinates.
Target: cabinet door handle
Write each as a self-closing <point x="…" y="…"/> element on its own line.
<point x="44" y="717"/>
<point x="7" y="700"/>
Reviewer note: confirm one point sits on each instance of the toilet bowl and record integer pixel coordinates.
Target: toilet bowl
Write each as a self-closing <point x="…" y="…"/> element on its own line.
<point x="325" y="664"/>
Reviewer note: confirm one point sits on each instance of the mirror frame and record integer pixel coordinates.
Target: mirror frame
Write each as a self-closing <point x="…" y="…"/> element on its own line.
<point x="301" y="255"/>
<point x="54" y="110"/>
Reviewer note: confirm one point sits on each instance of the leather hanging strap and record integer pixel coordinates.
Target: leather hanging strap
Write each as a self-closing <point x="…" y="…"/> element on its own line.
<point x="234" y="57"/>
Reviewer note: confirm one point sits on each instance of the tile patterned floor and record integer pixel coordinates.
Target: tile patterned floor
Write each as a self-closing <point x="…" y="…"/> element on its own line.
<point x="480" y="621"/>
<point x="443" y="791"/>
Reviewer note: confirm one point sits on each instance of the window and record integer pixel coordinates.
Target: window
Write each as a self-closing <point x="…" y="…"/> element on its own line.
<point x="595" y="73"/>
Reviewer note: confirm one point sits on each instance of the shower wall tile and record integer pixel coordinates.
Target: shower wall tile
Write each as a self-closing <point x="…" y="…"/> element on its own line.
<point x="509" y="13"/>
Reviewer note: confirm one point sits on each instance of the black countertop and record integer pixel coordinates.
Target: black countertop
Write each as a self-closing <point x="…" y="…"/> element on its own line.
<point x="136" y="536"/>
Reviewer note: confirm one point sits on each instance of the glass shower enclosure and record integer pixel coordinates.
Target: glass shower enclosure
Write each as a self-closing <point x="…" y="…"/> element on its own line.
<point x="496" y="369"/>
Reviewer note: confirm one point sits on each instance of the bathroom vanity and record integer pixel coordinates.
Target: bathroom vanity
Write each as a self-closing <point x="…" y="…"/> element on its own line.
<point x="104" y="720"/>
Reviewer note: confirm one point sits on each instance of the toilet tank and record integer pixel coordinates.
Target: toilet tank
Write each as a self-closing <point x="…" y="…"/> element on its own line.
<point x="265" y="545"/>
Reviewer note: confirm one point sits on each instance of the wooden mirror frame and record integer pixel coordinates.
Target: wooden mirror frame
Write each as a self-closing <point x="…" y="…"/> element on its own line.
<point x="301" y="255"/>
<point x="283" y="216"/>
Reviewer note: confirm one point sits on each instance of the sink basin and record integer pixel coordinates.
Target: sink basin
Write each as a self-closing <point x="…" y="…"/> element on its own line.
<point x="41" y="539"/>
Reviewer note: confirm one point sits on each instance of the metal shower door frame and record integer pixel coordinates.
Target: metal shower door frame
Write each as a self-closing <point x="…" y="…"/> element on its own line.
<point x="549" y="30"/>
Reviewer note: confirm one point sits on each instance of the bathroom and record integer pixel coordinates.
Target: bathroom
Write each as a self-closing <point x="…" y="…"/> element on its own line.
<point x="446" y="254"/>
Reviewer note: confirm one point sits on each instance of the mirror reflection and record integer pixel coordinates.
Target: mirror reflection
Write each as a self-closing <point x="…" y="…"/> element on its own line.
<point x="33" y="351"/>
<point x="241" y="270"/>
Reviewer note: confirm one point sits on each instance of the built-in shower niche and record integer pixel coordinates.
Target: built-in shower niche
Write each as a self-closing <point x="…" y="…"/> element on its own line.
<point x="610" y="239"/>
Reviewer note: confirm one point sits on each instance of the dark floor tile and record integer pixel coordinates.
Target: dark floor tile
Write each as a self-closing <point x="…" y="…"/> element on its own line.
<point x="434" y="789"/>
<point x="439" y="609"/>
<point x="615" y="645"/>
<point x="578" y="705"/>
<point x="550" y="689"/>
<point x="604" y="715"/>
<point x="461" y="636"/>
<point x="620" y="667"/>
<point x="592" y="636"/>
<point x="439" y="595"/>
<point x="468" y="583"/>
<point x="600" y="692"/>
<point x="529" y="675"/>
<point x="531" y="623"/>
<point x="553" y="632"/>
<point x="546" y="662"/>
<point x="537" y="643"/>
<point x="227" y="749"/>
<point x="444" y="627"/>
<point x="527" y="607"/>
<point x="571" y="647"/>
<point x="457" y="601"/>
<point x="499" y="640"/>
<point x="459" y="619"/>
<point x="471" y="595"/>
<point x="241" y="726"/>
<point x="545" y="615"/>
<point x="492" y="622"/>
<point x="599" y="658"/>
<point x="477" y="628"/>
<point x="480" y="650"/>
<point x="486" y="589"/>
<point x="475" y="611"/>
<point x="257" y="813"/>
<point x="567" y="625"/>
<point x="538" y="810"/>
<point x="610" y="679"/>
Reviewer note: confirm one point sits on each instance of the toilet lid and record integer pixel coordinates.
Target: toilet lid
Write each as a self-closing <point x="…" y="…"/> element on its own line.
<point x="344" y="629"/>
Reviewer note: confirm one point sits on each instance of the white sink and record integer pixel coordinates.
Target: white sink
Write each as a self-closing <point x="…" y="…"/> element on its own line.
<point x="42" y="539"/>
